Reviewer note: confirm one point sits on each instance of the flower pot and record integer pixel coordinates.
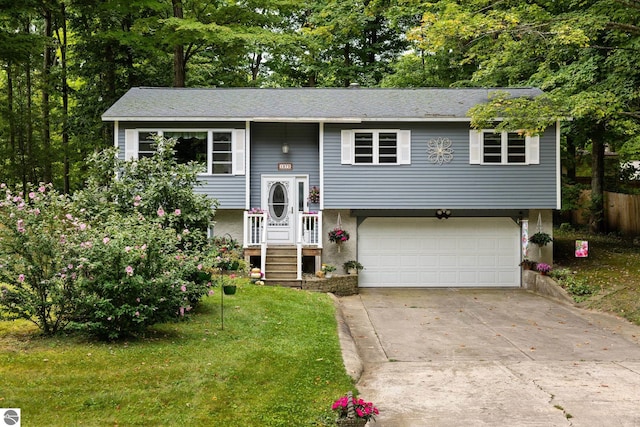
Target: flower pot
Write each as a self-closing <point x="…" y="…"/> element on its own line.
<point x="328" y="275"/>
<point x="229" y="289"/>
<point x="351" y="422"/>
<point x="353" y="271"/>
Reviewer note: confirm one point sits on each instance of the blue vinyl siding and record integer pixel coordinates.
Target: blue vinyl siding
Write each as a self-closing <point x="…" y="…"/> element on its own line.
<point x="229" y="190"/>
<point x="424" y="185"/>
<point x="266" y="153"/>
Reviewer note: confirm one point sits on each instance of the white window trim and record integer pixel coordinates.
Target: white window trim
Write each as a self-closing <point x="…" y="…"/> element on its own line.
<point x="476" y="149"/>
<point x="238" y="146"/>
<point x="403" y="147"/>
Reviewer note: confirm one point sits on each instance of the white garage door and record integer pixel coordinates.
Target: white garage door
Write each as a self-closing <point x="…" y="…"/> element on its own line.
<point x="428" y="252"/>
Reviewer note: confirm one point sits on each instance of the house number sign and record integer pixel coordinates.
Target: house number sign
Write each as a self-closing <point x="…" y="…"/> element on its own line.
<point x="285" y="166"/>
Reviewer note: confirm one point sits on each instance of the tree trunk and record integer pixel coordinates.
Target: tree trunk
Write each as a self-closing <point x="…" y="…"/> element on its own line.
<point x="12" y="121"/>
<point x="62" y="39"/>
<point x="179" y="63"/>
<point x="596" y="220"/>
<point x="46" y="87"/>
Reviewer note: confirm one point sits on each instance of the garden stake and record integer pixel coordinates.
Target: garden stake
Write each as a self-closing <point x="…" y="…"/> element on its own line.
<point x="222" y="303"/>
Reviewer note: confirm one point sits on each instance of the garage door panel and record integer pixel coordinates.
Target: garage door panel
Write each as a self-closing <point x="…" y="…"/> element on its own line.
<point x="426" y="252"/>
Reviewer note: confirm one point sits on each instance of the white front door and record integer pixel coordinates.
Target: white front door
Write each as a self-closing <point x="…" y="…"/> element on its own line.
<point x="283" y="197"/>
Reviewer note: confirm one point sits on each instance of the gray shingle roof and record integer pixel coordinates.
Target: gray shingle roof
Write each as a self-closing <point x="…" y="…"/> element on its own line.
<point x="313" y="104"/>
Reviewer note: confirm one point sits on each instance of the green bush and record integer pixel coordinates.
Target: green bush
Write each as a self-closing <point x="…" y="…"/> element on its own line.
<point x="129" y="251"/>
<point x="37" y="232"/>
<point x="579" y="288"/>
<point x="133" y="274"/>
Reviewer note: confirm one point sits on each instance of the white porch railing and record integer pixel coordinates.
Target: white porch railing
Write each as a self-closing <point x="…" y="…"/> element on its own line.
<point x="255" y="234"/>
<point x="309" y="234"/>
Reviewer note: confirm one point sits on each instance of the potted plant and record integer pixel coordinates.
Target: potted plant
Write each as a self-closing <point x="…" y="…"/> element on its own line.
<point x="328" y="270"/>
<point x="353" y="412"/>
<point x="528" y="264"/>
<point x="541" y="238"/>
<point x="543" y="268"/>
<point x="352" y="266"/>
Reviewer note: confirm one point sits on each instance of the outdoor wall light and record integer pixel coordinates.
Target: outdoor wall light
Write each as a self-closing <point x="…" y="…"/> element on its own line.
<point x="285" y="148"/>
<point x="443" y="213"/>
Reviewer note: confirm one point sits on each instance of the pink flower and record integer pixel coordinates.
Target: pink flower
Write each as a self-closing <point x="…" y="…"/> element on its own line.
<point x="199" y="267"/>
<point x="32" y="195"/>
<point x="136" y="201"/>
<point x="42" y="189"/>
<point x="21" y="278"/>
<point x="69" y="217"/>
<point x="183" y="288"/>
<point x="20" y="225"/>
<point x="160" y="212"/>
<point x="127" y="249"/>
<point x="177" y="212"/>
<point x="106" y="240"/>
<point x="109" y="318"/>
<point x="129" y="270"/>
<point x="181" y="311"/>
<point x="210" y="292"/>
<point x="137" y="314"/>
<point x="232" y="276"/>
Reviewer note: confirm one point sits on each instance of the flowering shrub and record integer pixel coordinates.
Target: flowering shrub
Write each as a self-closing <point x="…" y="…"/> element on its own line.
<point x="127" y="252"/>
<point x="157" y="187"/>
<point x="133" y="274"/>
<point x="37" y="268"/>
<point x="225" y="254"/>
<point x="338" y="235"/>
<point x="361" y="409"/>
<point x="543" y="268"/>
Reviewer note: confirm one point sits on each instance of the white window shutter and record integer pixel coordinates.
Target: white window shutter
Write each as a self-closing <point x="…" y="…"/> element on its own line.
<point x="404" y="147"/>
<point x="239" y="151"/>
<point x="130" y="144"/>
<point x="346" y="138"/>
<point x="533" y="149"/>
<point x="475" y="147"/>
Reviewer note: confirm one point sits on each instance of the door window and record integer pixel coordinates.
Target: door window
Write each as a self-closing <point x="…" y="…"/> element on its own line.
<point x="278" y="201"/>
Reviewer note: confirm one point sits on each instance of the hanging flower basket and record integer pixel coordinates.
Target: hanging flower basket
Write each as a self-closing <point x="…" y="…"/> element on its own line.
<point x="541" y="239"/>
<point x="314" y="195"/>
<point x="338" y="236"/>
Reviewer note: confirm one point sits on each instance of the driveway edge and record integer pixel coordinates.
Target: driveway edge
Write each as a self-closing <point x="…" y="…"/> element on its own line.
<point x="350" y="356"/>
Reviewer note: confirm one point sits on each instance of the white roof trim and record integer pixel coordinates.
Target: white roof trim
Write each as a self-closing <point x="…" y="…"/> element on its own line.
<point x="287" y="119"/>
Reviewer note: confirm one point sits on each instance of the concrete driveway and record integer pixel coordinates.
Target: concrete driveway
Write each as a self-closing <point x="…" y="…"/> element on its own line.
<point x="455" y="357"/>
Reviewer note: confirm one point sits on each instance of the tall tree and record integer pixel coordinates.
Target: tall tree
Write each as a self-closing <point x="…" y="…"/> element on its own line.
<point x="579" y="53"/>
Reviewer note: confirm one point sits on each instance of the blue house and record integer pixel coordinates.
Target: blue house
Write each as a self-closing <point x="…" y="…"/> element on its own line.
<point x="426" y="200"/>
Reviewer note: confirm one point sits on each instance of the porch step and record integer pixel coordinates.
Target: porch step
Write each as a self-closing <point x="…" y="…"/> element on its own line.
<point x="281" y="266"/>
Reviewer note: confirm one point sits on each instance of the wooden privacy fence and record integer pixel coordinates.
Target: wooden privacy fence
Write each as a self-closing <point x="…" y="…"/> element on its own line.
<point x="622" y="212"/>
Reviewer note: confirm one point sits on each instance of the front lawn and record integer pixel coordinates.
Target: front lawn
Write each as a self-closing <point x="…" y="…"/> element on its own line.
<point x="612" y="271"/>
<point x="276" y="363"/>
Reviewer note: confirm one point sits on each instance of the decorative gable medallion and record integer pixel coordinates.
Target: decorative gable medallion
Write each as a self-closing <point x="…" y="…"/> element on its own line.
<point x="439" y="151"/>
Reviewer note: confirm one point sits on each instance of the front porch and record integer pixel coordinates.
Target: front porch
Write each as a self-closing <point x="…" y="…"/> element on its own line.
<point x="283" y="263"/>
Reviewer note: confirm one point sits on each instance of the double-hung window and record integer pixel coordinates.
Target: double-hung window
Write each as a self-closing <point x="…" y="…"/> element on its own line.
<point x="218" y="151"/>
<point x="376" y="147"/>
<point x="503" y="148"/>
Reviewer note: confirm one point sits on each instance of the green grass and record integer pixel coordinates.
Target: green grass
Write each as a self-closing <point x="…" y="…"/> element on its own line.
<point x="612" y="270"/>
<point x="276" y="363"/>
